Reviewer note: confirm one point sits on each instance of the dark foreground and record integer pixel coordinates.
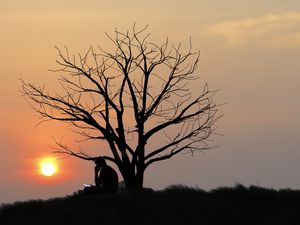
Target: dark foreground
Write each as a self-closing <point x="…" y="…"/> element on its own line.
<point x="174" y="205"/>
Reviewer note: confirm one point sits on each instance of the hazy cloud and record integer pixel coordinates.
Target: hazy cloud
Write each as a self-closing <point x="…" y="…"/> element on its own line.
<point x="289" y="40"/>
<point x="273" y="29"/>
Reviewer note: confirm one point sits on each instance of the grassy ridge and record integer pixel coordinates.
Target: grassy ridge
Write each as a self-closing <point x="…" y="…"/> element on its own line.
<point x="174" y="205"/>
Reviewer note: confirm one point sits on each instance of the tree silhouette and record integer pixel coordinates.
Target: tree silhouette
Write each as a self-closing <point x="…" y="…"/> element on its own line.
<point x="136" y="98"/>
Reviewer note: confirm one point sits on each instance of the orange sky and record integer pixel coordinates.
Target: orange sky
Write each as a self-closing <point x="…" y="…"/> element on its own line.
<point x="249" y="49"/>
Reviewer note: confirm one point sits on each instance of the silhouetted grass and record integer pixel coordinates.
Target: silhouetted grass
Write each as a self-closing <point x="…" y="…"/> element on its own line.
<point x="173" y="205"/>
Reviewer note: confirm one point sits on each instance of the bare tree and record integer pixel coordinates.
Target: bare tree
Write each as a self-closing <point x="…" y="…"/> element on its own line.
<point x="130" y="98"/>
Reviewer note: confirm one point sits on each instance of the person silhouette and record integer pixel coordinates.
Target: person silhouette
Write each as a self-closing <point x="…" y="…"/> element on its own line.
<point x="106" y="178"/>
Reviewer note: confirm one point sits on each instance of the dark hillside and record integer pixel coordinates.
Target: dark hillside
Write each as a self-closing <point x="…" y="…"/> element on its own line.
<point x="174" y="205"/>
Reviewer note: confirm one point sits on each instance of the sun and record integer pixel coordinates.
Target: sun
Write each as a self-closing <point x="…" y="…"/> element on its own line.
<point x="48" y="167"/>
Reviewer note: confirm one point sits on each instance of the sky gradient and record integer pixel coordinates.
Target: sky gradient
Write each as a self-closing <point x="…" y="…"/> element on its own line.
<point x="249" y="49"/>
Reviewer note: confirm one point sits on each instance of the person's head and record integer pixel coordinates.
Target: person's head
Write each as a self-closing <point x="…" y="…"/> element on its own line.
<point x="100" y="161"/>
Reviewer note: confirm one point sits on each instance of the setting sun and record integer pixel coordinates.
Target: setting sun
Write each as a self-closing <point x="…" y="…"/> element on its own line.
<point x="48" y="167"/>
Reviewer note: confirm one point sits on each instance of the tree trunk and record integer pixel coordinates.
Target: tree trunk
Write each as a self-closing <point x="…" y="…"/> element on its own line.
<point x="139" y="178"/>
<point x="132" y="180"/>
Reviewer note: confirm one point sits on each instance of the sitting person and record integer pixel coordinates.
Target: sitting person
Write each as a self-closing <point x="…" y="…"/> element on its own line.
<point x="106" y="178"/>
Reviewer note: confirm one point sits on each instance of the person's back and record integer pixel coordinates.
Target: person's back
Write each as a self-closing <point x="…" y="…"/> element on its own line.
<point x="108" y="179"/>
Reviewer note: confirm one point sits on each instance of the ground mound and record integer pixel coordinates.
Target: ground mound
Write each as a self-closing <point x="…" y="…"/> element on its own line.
<point x="173" y="205"/>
